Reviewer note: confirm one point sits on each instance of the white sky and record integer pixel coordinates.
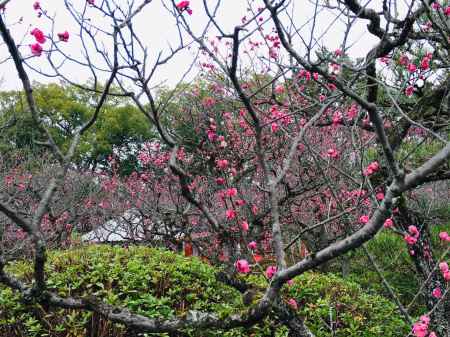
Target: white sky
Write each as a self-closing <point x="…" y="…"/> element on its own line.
<point x="157" y="29"/>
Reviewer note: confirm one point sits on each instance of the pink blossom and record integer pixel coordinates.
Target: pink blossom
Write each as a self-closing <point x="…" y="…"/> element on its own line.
<point x="443" y="266"/>
<point x="409" y="91"/>
<point x="220" y="181"/>
<point x="9" y="180"/>
<point x="425" y="63"/>
<point x="244" y="226"/>
<point x="337" y="117"/>
<point x="410" y="240"/>
<point x="293" y="304"/>
<point x="227" y="115"/>
<point x="432" y="334"/>
<point x="338" y="52"/>
<point x="334" y="68"/>
<point x="38" y="35"/>
<point x="352" y="112"/>
<point x="64" y="36"/>
<point x="274" y="127"/>
<point x="333" y="153"/>
<point x="230" y="214"/>
<point x="420" y="329"/>
<point x="240" y="202"/>
<point x="447" y="11"/>
<point x="254" y="209"/>
<point x="144" y="158"/>
<point x="257" y="258"/>
<point x="444" y="236"/>
<point x="425" y="319"/>
<point x="184" y="5"/>
<point x="413" y="231"/>
<point x="290" y="282"/>
<point x="437" y="293"/>
<point x="404" y="60"/>
<point x="307" y="76"/>
<point x="242" y="266"/>
<point x="364" y="219"/>
<point x="304" y="74"/>
<point x="279" y="89"/>
<point x="270" y="271"/>
<point x="446" y="276"/>
<point x="316" y="76"/>
<point x="222" y="164"/>
<point x="374" y="166"/>
<point x="252" y="245"/>
<point x="411" y="67"/>
<point x="435" y="5"/>
<point x="231" y="192"/>
<point x="36" y="49"/>
<point x="371" y="168"/>
<point x="379" y="196"/>
<point x="388" y="223"/>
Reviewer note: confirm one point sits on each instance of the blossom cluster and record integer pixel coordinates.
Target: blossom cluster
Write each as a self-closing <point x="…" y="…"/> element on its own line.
<point x="36" y="48"/>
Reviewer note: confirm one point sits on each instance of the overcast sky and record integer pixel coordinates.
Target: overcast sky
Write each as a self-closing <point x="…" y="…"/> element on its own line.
<point x="157" y="29"/>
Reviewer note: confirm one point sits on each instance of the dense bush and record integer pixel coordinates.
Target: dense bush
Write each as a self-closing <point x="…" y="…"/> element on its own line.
<point x="158" y="283"/>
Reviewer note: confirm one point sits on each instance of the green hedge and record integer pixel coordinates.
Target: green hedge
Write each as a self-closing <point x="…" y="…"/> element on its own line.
<point x="158" y="283"/>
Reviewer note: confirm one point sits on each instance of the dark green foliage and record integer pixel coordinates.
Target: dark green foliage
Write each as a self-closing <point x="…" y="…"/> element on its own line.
<point x="158" y="283"/>
<point x="120" y="128"/>
<point x="327" y="302"/>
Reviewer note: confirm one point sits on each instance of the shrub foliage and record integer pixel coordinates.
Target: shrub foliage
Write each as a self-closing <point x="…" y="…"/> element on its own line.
<point x="160" y="283"/>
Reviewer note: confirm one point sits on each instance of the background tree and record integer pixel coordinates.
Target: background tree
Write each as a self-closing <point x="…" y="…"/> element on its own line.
<point x="120" y="130"/>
